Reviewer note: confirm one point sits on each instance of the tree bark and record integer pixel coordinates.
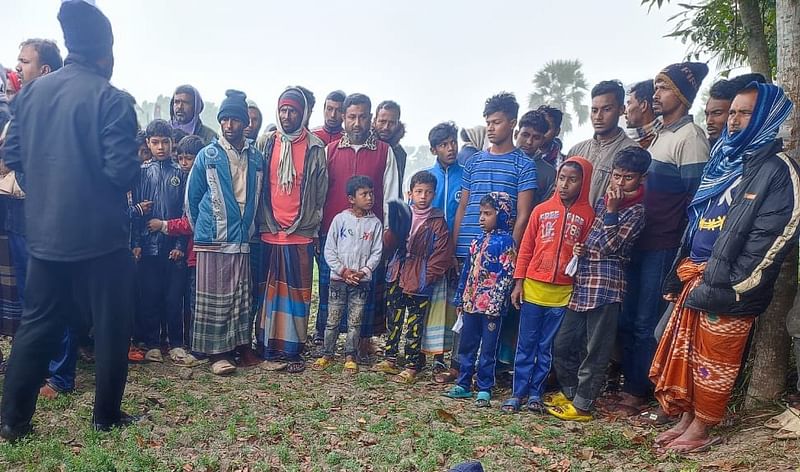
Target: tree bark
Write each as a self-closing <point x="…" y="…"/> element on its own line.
<point x="757" y="50"/>
<point x="771" y="343"/>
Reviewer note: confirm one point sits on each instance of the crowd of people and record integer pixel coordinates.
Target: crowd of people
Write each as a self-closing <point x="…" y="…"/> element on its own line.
<point x="629" y="268"/>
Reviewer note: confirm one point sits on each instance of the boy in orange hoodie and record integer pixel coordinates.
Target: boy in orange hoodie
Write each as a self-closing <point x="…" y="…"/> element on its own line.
<point x="543" y="288"/>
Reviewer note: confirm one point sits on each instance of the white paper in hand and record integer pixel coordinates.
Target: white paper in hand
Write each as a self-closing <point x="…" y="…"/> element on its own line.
<point x="458" y="324"/>
<point x="572" y="267"/>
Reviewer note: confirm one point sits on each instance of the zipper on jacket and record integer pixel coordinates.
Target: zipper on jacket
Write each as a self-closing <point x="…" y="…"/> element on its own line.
<point x="561" y="240"/>
<point x="446" y="190"/>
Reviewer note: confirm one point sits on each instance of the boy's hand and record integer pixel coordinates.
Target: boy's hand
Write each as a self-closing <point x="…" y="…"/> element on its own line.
<point x="315" y="242"/>
<point x="175" y="255"/>
<point x="671" y="297"/>
<point x="145" y="206"/>
<point x="137" y="253"/>
<point x="154" y="225"/>
<point x="579" y="249"/>
<point x="614" y="197"/>
<point x="516" y="295"/>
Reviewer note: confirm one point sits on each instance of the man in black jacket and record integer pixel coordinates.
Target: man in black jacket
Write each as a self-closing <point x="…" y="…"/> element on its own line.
<point x="73" y="135"/>
<point x="743" y="221"/>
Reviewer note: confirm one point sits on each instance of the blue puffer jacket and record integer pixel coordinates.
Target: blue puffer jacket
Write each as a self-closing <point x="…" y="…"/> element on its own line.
<point x="219" y="224"/>
<point x="163" y="183"/>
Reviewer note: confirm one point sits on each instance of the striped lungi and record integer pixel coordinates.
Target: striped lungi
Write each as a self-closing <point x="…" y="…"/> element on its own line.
<point x="222" y="304"/>
<point x="286" y="301"/>
<point x="699" y="356"/>
<point x="10" y="306"/>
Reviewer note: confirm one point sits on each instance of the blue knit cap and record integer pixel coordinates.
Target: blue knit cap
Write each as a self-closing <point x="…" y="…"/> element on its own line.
<point x="234" y="106"/>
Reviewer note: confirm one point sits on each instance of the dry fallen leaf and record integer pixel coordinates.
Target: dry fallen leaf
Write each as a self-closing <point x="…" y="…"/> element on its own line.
<point x="541" y="451"/>
<point x="446" y="416"/>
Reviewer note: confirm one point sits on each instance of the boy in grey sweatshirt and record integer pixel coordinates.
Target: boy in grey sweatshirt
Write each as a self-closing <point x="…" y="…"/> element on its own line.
<point x="353" y="252"/>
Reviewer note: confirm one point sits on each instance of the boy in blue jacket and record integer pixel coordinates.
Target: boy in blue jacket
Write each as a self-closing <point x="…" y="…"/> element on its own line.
<point x="161" y="262"/>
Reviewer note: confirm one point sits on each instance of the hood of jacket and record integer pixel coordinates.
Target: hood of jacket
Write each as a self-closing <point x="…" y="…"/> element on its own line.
<point x="586" y="183"/>
<point x="502" y="203"/>
<point x="192" y="125"/>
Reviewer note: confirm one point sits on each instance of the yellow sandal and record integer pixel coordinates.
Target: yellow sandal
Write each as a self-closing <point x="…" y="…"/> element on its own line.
<point x="568" y="412"/>
<point x="322" y="363"/>
<point x="407" y="376"/>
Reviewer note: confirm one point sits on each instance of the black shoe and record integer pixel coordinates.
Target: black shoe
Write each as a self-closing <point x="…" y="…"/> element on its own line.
<point x="13" y="435"/>
<point x="124" y="420"/>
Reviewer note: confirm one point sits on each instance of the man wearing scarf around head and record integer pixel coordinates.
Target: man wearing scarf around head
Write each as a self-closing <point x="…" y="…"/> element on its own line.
<point x="185" y="107"/>
<point x="289" y="219"/>
<point x="742" y="223"/>
<point x="78" y="244"/>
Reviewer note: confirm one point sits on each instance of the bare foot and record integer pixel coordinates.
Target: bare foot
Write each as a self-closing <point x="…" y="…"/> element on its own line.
<point x="674" y="432"/>
<point x="48" y="392"/>
<point x="694" y="439"/>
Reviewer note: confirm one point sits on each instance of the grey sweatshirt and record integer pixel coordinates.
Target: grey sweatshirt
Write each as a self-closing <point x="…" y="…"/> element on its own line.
<point x="354" y="243"/>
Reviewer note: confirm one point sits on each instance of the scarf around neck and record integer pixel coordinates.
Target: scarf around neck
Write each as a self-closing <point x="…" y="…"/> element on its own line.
<point x="286" y="170"/>
<point x="418" y="217"/>
<point x="647" y="131"/>
<point x="726" y="163"/>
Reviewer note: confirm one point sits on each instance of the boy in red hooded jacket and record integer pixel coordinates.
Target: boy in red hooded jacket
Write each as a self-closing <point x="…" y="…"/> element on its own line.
<point x="543" y="288"/>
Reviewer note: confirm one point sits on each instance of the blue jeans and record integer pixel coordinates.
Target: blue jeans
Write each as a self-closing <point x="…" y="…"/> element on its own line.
<point x="478" y="332"/>
<point x="641" y="310"/>
<point x="538" y="326"/>
<point x="62" y="367"/>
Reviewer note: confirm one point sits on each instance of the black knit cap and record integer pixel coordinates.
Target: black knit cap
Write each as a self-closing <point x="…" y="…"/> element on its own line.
<point x="87" y="31"/>
<point x="234" y="106"/>
<point x="685" y="79"/>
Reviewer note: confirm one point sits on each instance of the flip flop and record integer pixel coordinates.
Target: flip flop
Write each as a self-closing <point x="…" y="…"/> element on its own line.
<point x="274" y="366"/>
<point x="665" y="438"/>
<point x="448" y="376"/>
<point x="790" y="431"/>
<point x="651" y="418"/>
<point x="512" y="405"/>
<point x="779" y="421"/>
<point x="154" y="355"/>
<point x="692" y="447"/>
<point x="223" y="367"/>
<point x="458" y="392"/>
<point x="296" y="367"/>
<point x="484" y="400"/>
<point x="536" y="406"/>
<point x="407" y="376"/>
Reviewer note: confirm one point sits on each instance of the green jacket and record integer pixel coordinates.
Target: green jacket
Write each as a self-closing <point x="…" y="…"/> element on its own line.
<point x="313" y="188"/>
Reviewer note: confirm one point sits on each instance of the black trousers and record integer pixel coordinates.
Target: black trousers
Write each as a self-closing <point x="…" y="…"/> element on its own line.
<point x="162" y="284"/>
<point x="104" y="285"/>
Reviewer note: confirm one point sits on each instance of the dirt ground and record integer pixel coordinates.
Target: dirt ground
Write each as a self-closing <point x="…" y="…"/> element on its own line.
<point x="259" y="420"/>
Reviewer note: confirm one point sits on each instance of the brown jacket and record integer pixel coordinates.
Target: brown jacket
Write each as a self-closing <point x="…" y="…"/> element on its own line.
<point x="429" y="255"/>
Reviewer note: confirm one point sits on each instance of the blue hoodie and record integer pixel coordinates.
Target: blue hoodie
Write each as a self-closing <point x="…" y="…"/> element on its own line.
<point x="448" y="190"/>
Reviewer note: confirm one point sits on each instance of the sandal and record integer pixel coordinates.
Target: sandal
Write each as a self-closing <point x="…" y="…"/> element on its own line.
<point x="322" y="363"/>
<point x="779" y="421"/>
<point x="536" y="406"/>
<point x="568" y="412"/>
<point x="154" y="355"/>
<point x="350" y="367"/>
<point x="690" y="447"/>
<point x="274" y="366"/>
<point x="296" y="367"/>
<point x="438" y="368"/>
<point x="223" y="367"/>
<point x="135" y="354"/>
<point x="512" y="405"/>
<point x="407" y="376"/>
<point x="484" y="400"/>
<point x="555" y="399"/>
<point x="386" y="367"/>
<point x="458" y="392"/>
<point x="448" y="376"/>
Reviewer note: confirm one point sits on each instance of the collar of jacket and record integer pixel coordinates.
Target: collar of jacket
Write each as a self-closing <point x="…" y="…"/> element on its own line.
<point x="683" y="121"/>
<point x="619" y="137"/>
<point x="371" y="143"/>
<point x="756" y="158"/>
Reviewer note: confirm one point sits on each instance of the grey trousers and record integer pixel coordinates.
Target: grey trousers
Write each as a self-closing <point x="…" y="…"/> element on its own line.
<point x="582" y="350"/>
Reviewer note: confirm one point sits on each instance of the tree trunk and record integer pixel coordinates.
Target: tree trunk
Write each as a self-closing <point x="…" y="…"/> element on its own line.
<point x="771" y="343"/>
<point x="757" y="50"/>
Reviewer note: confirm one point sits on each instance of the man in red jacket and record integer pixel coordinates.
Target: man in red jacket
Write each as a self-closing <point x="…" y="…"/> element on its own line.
<point x="359" y="152"/>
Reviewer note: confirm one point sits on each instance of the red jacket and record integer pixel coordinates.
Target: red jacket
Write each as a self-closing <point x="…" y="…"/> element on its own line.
<point x="326" y="136"/>
<point x="181" y="227"/>
<point x="343" y="163"/>
<point x="552" y="231"/>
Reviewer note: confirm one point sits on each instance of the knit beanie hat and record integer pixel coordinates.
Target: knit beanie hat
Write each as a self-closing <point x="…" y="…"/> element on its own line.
<point x="684" y="78"/>
<point x="87" y="31"/>
<point x="234" y="106"/>
<point x="294" y="98"/>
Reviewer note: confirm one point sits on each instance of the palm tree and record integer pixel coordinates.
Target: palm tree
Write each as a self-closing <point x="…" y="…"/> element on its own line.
<point x="559" y="84"/>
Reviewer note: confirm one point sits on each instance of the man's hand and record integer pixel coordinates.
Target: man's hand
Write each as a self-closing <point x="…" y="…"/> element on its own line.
<point x="579" y="249"/>
<point x="137" y="253"/>
<point x="145" y="206"/>
<point x="175" y="255"/>
<point x="671" y="297"/>
<point x="614" y="197"/>
<point x="516" y="295"/>
<point x="315" y="242"/>
<point x="154" y="225"/>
